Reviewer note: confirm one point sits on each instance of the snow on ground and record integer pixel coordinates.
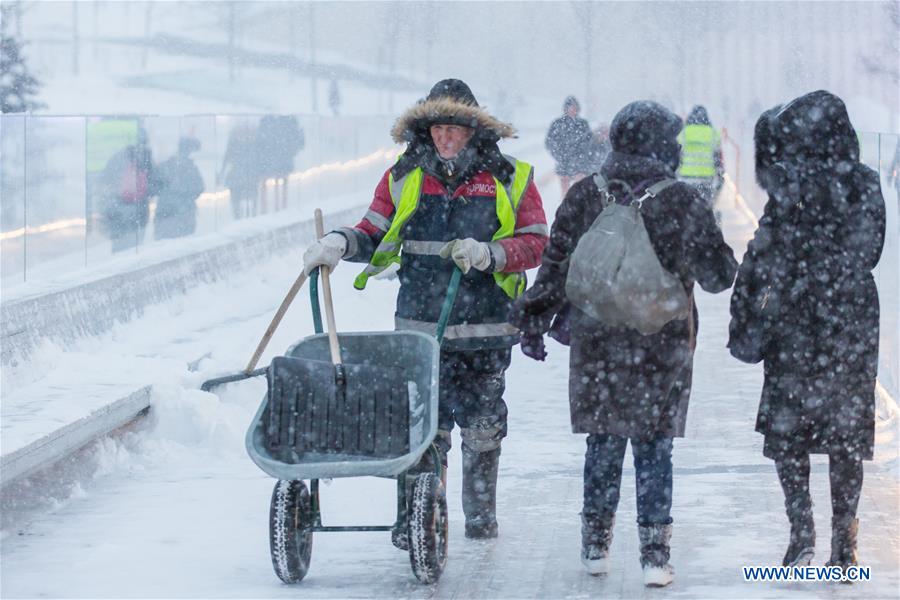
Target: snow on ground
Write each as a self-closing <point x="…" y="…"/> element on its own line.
<point x="177" y="509"/>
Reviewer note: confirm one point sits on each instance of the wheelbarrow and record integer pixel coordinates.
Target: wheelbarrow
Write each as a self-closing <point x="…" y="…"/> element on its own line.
<point x="296" y="438"/>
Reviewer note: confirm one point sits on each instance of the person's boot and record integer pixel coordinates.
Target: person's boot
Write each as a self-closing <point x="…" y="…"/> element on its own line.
<point x="802" y="545"/>
<point x="801" y="548"/>
<point x="596" y="538"/>
<point x="844" y="531"/>
<point x="479" y="492"/>
<point x="655" y="554"/>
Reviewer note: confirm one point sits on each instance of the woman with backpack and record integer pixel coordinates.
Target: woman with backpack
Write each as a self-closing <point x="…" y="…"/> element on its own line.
<point x="805" y="303"/>
<point x="622" y="384"/>
<point x="129" y="179"/>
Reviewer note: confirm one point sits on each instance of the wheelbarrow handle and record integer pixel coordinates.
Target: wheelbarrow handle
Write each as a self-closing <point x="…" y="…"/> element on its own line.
<point x="452" y="289"/>
<point x="329" y="305"/>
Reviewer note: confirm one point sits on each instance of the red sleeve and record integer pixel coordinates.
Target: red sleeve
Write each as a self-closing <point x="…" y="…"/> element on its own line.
<point x="524" y="249"/>
<point x="382" y="206"/>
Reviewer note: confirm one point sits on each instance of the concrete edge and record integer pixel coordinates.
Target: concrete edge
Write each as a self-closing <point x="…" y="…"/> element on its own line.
<point x="55" y="446"/>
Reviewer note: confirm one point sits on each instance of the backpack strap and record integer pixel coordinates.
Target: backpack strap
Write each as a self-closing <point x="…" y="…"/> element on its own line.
<point x="654" y="190"/>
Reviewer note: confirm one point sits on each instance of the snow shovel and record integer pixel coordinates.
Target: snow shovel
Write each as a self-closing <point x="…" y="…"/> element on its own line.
<point x="251" y="370"/>
<point x="341" y="401"/>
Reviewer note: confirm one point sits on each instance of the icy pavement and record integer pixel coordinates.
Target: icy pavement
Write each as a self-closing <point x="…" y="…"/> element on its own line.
<point x="178" y="509"/>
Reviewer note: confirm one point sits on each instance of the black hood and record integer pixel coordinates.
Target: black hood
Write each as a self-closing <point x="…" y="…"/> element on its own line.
<point x="816" y="127"/>
<point x="811" y="167"/>
<point x="766" y="147"/>
<point x="698" y="116"/>
<point x="646" y="128"/>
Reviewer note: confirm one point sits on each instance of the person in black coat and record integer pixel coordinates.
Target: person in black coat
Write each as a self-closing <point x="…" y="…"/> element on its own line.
<point x="176" y="206"/>
<point x="278" y="140"/>
<point x="569" y="143"/>
<point x="624" y="385"/>
<point x="805" y="303"/>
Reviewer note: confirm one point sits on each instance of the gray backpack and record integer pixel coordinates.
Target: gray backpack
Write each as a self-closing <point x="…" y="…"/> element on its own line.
<point x="614" y="274"/>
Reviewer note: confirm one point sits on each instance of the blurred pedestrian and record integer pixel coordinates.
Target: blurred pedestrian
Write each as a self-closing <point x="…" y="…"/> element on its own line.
<point x="240" y="170"/>
<point x="334" y="97"/>
<point x="128" y="181"/>
<point x="701" y="156"/>
<point x="278" y="141"/>
<point x="176" y="205"/>
<point x="568" y="141"/>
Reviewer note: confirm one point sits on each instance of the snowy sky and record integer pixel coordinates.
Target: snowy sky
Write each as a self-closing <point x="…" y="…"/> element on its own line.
<point x="736" y="57"/>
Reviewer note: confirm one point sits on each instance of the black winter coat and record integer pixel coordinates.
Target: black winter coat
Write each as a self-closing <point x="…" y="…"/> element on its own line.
<point x="569" y="143"/>
<point x="622" y="382"/>
<point x="805" y="301"/>
<point x="176" y="205"/>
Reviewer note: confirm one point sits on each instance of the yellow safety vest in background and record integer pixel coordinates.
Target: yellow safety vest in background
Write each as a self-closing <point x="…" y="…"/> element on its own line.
<point x="698" y="147"/>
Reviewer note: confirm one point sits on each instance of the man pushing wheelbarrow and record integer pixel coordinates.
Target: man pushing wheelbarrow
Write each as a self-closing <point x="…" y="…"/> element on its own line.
<point x="453" y="200"/>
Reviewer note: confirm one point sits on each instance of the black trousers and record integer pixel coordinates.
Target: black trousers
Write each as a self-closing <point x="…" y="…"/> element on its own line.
<point x="471" y="394"/>
<point x="845" y="472"/>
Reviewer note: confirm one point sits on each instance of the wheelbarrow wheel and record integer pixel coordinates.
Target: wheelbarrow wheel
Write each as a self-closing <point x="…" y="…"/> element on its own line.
<point x="428" y="528"/>
<point x="290" y="542"/>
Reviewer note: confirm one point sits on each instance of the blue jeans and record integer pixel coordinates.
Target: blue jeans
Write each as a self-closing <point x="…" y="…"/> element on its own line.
<point x="603" y="478"/>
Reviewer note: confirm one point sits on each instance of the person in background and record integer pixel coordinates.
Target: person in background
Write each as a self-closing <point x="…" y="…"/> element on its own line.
<point x="806" y="305"/>
<point x="278" y="140"/>
<point x="452" y="201"/>
<point x="569" y="143"/>
<point x="240" y="170"/>
<point x="176" y="205"/>
<point x="625" y="386"/>
<point x="701" y="156"/>
<point x="128" y="181"/>
<point x="334" y="97"/>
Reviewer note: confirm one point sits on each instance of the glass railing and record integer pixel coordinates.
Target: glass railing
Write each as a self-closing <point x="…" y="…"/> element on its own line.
<point x="882" y="152"/>
<point x="76" y="191"/>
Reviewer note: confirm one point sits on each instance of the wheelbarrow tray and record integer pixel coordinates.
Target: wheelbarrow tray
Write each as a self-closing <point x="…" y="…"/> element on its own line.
<point x="410" y="356"/>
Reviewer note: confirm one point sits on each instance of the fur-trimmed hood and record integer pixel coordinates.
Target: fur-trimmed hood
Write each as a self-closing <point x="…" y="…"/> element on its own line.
<point x="416" y="120"/>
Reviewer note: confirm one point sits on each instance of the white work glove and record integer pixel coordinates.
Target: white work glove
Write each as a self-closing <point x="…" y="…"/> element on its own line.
<point x="327" y="252"/>
<point x="468" y="253"/>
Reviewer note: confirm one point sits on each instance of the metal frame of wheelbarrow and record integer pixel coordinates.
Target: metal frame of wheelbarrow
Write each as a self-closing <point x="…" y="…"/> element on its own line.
<point x="396" y="467"/>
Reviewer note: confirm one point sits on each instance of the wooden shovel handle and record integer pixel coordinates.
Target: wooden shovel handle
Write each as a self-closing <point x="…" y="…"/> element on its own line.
<point x="276" y="320"/>
<point x="329" y="305"/>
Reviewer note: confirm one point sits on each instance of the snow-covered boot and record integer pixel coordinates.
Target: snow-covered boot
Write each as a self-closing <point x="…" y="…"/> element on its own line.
<point x="844" y="531"/>
<point x="802" y="546"/>
<point x="596" y="538"/>
<point x="655" y="554"/>
<point x="479" y="493"/>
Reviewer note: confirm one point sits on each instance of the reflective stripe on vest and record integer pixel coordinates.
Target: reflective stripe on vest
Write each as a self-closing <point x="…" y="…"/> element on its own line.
<point x="463" y="330"/>
<point x="405" y="195"/>
<point x="698" y="146"/>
